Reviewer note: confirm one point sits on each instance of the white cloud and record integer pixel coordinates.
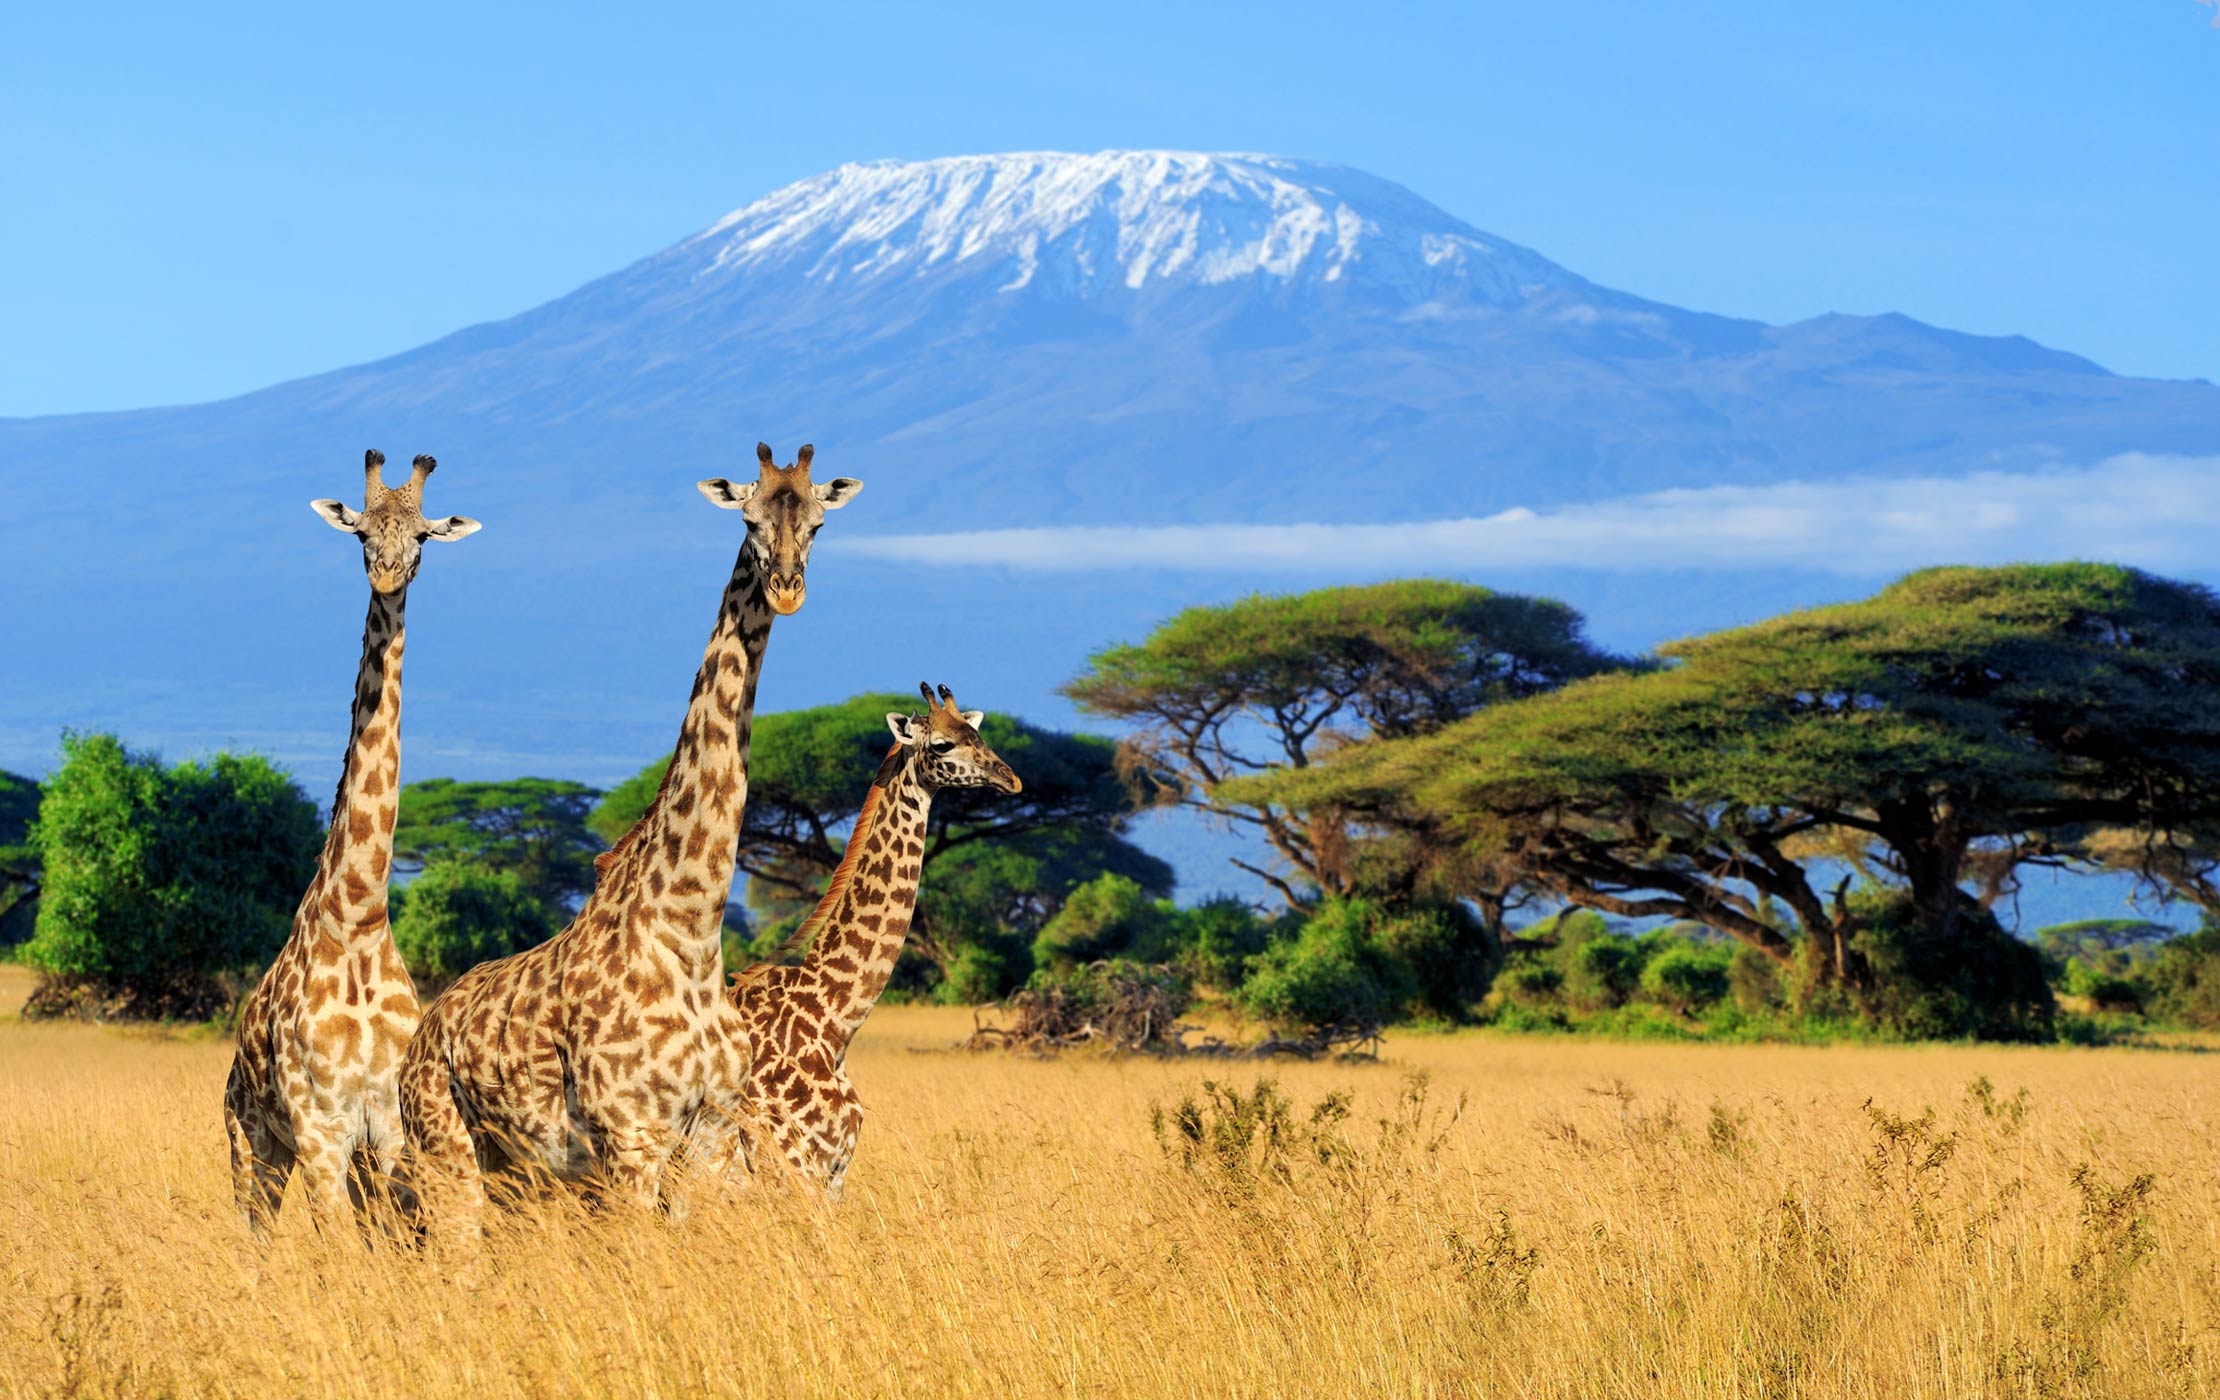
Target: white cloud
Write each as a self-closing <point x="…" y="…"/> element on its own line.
<point x="2162" y="513"/>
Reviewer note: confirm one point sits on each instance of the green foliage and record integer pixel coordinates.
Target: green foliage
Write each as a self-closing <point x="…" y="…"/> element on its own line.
<point x="1689" y="978"/>
<point x="1109" y="916"/>
<point x="983" y="903"/>
<point x="1754" y="982"/>
<point x="1984" y="983"/>
<point x="535" y="828"/>
<point x="2185" y="980"/>
<point x="1213" y="941"/>
<point x="19" y="861"/>
<point x="1603" y="973"/>
<point x="456" y="915"/>
<point x="1332" y="972"/>
<point x="157" y="881"/>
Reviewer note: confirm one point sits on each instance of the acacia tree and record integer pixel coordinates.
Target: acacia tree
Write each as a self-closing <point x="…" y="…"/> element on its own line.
<point x="808" y="771"/>
<point x="1958" y="713"/>
<point x="1221" y="693"/>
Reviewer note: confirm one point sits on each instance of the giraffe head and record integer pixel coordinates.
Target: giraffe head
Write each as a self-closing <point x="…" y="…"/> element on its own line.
<point x="391" y="523"/>
<point x="950" y="752"/>
<point x="784" y="509"/>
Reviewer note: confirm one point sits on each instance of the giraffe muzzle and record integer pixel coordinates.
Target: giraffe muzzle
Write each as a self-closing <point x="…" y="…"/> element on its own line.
<point x="784" y="592"/>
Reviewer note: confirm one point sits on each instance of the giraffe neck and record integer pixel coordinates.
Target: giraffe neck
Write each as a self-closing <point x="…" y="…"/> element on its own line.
<point x="358" y="854"/>
<point x="683" y="849"/>
<point x="865" y="914"/>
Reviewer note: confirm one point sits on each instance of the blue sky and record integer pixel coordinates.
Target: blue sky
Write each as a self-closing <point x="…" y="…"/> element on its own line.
<point x="201" y="203"/>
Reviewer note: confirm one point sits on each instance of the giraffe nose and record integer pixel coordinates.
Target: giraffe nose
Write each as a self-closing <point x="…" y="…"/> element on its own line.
<point x="784" y="592"/>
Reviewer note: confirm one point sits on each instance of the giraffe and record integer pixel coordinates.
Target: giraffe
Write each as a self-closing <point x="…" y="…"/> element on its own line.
<point x="320" y="1039"/>
<point x="599" y="1051"/>
<point x="800" y="1019"/>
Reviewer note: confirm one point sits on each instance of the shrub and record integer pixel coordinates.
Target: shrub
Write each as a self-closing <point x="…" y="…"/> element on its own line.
<point x="1532" y="985"/>
<point x="1688" y="977"/>
<point x="1108" y="916"/>
<point x="1214" y="941"/>
<point x="1331" y="972"/>
<point x="457" y="915"/>
<point x="2185" y="980"/>
<point x="1754" y="981"/>
<point x="1446" y="951"/>
<point x="1603" y="973"/>
<point x="162" y="884"/>
<point x="1983" y="983"/>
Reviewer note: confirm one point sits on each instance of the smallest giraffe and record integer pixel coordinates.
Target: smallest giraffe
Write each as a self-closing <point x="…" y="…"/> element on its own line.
<point x="800" y="1019"/>
<point x="313" y="1084"/>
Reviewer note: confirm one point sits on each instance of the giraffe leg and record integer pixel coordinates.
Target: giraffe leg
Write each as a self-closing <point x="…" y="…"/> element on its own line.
<point x="380" y="1188"/>
<point x="324" y="1155"/>
<point x="632" y="1161"/>
<point x="260" y="1161"/>
<point x="449" y="1188"/>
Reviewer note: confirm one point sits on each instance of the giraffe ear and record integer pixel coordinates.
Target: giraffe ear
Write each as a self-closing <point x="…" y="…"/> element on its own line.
<point x="454" y="527"/>
<point x="834" y="494"/>
<point x="724" y="495"/>
<point x="904" y="727"/>
<point x="972" y="717"/>
<point x="340" y="517"/>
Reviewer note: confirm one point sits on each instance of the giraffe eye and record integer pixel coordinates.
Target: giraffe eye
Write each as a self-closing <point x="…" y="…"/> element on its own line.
<point x="944" y="745"/>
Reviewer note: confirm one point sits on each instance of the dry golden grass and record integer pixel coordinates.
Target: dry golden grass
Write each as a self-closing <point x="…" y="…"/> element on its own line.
<point x="1604" y="1220"/>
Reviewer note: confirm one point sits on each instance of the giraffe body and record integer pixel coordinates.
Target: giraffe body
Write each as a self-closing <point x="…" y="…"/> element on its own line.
<point x="312" y="1084"/>
<point x="598" y="1053"/>
<point x="801" y="1019"/>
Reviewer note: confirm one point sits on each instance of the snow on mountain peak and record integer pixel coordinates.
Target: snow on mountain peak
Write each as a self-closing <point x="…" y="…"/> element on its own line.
<point x="1092" y="223"/>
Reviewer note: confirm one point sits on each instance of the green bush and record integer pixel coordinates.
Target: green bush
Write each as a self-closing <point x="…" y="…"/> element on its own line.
<point x="2185" y="980"/>
<point x="1331" y="972"/>
<point x="1603" y="973"/>
<point x="457" y="915"/>
<point x="1213" y="941"/>
<point x="1446" y="951"/>
<point x="1108" y="916"/>
<point x="1983" y="983"/>
<point x="1532" y="985"/>
<point x="1754" y="981"/>
<point x="1688" y="977"/>
<point x="159" y="884"/>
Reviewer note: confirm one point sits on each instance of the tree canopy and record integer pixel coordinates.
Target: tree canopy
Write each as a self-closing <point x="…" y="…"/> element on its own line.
<point x="159" y="880"/>
<point x="535" y="828"/>
<point x="1220" y="693"/>
<point x="1960" y="711"/>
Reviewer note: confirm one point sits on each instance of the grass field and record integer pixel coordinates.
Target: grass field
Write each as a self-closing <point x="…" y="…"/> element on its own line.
<point x="1602" y="1220"/>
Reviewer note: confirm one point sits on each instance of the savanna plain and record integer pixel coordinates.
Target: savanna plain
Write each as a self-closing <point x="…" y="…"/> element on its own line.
<point x="1472" y="1215"/>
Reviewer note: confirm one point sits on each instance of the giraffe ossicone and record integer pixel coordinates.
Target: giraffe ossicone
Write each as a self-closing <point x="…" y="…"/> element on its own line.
<point x="313" y="1082"/>
<point x="800" y="1019"/>
<point x="597" y="1053"/>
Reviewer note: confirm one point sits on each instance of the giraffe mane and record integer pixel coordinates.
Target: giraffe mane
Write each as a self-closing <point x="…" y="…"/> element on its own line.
<point x="866" y="819"/>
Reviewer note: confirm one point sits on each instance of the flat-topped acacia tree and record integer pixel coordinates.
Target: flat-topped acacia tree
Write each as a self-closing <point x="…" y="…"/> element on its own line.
<point x="1278" y="681"/>
<point x="1958" y="717"/>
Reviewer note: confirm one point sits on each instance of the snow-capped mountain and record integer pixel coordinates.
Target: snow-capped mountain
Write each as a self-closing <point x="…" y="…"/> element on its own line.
<point x="1131" y="220"/>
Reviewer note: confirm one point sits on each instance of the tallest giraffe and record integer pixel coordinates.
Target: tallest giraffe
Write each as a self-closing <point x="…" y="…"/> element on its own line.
<point x="600" y="1050"/>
